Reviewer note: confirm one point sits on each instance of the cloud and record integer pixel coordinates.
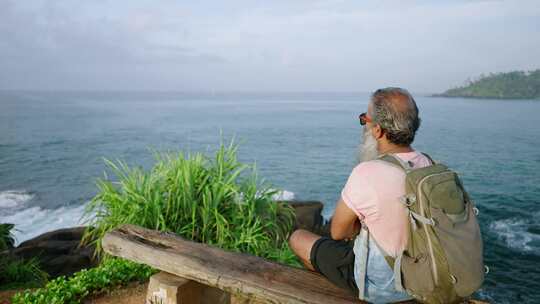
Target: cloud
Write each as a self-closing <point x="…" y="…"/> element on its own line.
<point x="250" y="45"/>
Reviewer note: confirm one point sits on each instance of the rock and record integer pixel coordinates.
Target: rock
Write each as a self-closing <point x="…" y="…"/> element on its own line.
<point x="58" y="252"/>
<point x="308" y="215"/>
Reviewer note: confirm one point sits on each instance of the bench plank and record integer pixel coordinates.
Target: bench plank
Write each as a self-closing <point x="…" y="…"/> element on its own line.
<point x="245" y="275"/>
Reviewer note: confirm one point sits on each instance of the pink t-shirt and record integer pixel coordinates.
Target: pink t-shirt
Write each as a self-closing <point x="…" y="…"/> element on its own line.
<point x="373" y="191"/>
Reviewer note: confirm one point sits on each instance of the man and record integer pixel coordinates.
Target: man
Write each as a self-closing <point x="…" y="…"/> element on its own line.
<point x="370" y="198"/>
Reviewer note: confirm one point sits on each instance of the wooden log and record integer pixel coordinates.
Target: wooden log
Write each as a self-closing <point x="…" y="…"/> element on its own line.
<point x="240" y="274"/>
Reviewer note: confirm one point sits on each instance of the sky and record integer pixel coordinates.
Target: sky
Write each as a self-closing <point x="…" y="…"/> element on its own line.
<point x="302" y="45"/>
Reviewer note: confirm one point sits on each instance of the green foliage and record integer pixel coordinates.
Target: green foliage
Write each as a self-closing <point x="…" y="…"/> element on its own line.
<point x="110" y="273"/>
<point x="512" y="85"/>
<point x="218" y="201"/>
<point x="19" y="273"/>
<point x="6" y="238"/>
<point x="16" y="272"/>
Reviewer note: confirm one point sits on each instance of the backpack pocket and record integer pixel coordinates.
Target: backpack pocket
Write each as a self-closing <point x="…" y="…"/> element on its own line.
<point x="444" y="193"/>
<point x="417" y="274"/>
<point x="459" y="236"/>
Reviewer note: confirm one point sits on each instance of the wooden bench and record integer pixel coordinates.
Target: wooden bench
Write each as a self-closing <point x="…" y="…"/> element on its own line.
<point x="195" y="270"/>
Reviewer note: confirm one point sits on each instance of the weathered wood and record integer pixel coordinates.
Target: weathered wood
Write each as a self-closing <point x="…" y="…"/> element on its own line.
<point x="240" y="274"/>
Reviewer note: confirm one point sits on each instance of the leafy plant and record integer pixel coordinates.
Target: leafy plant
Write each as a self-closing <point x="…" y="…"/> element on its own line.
<point x="218" y="201"/>
<point x="110" y="273"/>
<point x="17" y="273"/>
<point x="7" y="240"/>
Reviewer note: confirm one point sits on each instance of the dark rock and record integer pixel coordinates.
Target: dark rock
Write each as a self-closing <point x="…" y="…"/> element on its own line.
<point x="308" y="215"/>
<point x="65" y="234"/>
<point x="58" y="252"/>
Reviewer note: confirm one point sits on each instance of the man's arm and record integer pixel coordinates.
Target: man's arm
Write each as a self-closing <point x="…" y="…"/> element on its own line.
<point x="345" y="223"/>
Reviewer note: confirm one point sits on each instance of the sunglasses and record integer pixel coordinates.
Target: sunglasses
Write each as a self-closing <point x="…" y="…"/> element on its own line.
<point x="364" y="118"/>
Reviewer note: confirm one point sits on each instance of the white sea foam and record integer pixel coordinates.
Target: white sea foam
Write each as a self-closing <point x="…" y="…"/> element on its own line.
<point x="283" y="195"/>
<point x="514" y="232"/>
<point x="31" y="222"/>
<point x="13" y="198"/>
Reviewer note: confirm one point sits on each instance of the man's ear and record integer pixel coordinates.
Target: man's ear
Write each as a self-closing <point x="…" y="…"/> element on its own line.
<point x="377" y="131"/>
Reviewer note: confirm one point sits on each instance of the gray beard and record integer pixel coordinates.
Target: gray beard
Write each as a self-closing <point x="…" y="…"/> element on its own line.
<point x="368" y="149"/>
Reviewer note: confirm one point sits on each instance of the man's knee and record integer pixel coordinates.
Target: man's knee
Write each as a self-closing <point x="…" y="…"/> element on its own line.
<point x="296" y="237"/>
<point x="301" y="241"/>
<point x="293" y="238"/>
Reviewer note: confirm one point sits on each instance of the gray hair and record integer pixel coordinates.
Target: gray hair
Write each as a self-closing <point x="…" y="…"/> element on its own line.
<point x="395" y="110"/>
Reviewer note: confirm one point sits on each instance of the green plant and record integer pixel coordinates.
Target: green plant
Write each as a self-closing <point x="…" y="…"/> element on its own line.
<point x="110" y="273"/>
<point x="218" y="201"/>
<point x="17" y="273"/>
<point x="7" y="240"/>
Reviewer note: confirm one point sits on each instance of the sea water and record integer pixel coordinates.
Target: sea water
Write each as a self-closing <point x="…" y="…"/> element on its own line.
<point x="52" y="147"/>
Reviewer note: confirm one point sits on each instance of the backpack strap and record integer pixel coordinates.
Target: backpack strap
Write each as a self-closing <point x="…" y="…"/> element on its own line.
<point x="429" y="157"/>
<point x="396" y="161"/>
<point x="363" y="238"/>
<point x="391" y="158"/>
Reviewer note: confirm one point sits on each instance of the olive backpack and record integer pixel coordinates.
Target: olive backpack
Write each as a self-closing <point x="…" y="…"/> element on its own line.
<point x="443" y="259"/>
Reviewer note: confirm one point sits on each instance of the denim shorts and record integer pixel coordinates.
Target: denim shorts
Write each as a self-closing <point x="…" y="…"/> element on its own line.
<point x="336" y="261"/>
<point x="379" y="277"/>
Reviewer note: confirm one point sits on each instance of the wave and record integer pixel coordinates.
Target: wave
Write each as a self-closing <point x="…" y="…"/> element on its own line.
<point x="14" y="198"/>
<point x="283" y="195"/>
<point x="515" y="232"/>
<point x="31" y="222"/>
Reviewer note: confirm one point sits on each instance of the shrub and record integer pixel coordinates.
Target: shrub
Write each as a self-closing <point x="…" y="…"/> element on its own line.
<point x="6" y="237"/>
<point x="110" y="273"/>
<point x="218" y="201"/>
<point x="16" y="272"/>
<point x="19" y="273"/>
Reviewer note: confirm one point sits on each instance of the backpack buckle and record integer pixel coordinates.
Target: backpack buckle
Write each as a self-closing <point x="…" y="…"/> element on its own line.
<point x="408" y="199"/>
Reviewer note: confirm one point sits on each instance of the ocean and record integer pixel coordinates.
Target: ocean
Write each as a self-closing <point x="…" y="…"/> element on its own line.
<point x="52" y="146"/>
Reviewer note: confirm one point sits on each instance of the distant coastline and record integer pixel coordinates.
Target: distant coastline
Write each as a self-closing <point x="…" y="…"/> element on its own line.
<point x="511" y="85"/>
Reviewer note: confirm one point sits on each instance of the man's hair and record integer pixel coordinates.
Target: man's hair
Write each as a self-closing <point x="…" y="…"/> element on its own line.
<point x="395" y="110"/>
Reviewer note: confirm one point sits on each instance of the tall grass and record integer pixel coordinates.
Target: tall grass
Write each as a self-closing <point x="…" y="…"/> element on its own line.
<point x="218" y="201"/>
<point x="20" y="273"/>
<point x="16" y="272"/>
<point x="7" y="240"/>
